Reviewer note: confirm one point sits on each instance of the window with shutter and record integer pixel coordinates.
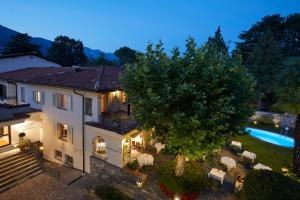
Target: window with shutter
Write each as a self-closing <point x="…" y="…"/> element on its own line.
<point x="38" y="97"/>
<point x="22" y="94"/>
<point x="62" y="130"/>
<point x="88" y="106"/>
<point x="3" y="91"/>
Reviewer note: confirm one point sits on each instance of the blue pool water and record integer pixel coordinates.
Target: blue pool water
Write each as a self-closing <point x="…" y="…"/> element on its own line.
<point x="271" y="137"/>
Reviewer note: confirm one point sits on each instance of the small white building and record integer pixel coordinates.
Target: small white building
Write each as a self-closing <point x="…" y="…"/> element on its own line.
<point x="21" y="61"/>
<point x="82" y="112"/>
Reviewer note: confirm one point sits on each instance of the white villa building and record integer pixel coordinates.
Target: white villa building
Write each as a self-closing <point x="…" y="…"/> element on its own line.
<point x="20" y="61"/>
<point x="75" y="113"/>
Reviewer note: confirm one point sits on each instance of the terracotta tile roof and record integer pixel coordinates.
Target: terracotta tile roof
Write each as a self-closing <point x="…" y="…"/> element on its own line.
<point x="99" y="79"/>
<point x="11" y="112"/>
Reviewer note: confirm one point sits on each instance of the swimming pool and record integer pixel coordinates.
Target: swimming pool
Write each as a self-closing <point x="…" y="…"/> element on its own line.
<point x="270" y="137"/>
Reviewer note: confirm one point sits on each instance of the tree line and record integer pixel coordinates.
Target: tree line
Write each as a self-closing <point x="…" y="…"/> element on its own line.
<point x="67" y="51"/>
<point x="269" y="49"/>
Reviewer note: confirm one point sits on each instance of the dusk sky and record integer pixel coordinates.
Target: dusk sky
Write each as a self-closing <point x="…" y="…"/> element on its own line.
<point x="108" y="25"/>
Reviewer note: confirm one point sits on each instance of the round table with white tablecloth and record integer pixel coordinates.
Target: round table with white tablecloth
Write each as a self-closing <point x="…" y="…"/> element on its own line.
<point x="259" y="166"/>
<point x="145" y="159"/>
<point x="249" y="155"/>
<point x="229" y="162"/>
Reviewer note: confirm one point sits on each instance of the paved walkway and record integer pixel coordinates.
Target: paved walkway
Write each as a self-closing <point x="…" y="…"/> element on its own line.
<point x="48" y="186"/>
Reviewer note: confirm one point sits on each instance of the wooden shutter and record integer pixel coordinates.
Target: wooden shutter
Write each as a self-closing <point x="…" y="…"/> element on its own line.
<point x="55" y="131"/>
<point x="43" y="97"/>
<point x="70" y="134"/>
<point x="55" y="99"/>
<point x="33" y="96"/>
<point x="70" y="103"/>
<point x="5" y="91"/>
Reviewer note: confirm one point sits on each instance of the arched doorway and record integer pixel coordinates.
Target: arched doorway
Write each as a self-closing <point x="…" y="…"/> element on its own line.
<point x="99" y="149"/>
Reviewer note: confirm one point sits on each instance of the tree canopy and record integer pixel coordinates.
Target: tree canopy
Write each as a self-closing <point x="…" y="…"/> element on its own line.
<point x="67" y="52"/>
<point x="264" y="48"/>
<point x="126" y="55"/>
<point x="21" y="43"/>
<point x="193" y="100"/>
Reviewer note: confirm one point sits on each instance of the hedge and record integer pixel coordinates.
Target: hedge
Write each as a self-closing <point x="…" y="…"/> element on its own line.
<point x="105" y="192"/>
<point x="269" y="185"/>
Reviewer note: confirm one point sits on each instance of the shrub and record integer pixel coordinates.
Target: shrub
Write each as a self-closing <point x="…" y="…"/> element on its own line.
<point x="146" y="168"/>
<point x="266" y="119"/>
<point x="133" y="165"/>
<point x="194" y="178"/>
<point x="105" y="192"/>
<point x="269" y="185"/>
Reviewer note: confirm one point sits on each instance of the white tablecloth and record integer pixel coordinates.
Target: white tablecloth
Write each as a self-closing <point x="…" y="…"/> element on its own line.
<point x="217" y="174"/>
<point x="259" y="166"/>
<point x="249" y="155"/>
<point x="159" y="146"/>
<point x="236" y="144"/>
<point x="229" y="162"/>
<point x="134" y="154"/>
<point x="145" y="159"/>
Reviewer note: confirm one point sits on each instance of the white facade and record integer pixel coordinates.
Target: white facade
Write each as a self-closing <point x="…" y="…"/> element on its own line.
<point x="24" y="61"/>
<point x="46" y="124"/>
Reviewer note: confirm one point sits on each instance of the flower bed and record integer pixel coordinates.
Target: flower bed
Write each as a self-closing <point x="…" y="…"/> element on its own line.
<point x="188" y="186"/>
<point x="171" y="194"/>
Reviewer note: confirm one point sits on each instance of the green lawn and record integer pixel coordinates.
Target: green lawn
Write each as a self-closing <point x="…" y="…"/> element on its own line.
<point x="274" y="156"/>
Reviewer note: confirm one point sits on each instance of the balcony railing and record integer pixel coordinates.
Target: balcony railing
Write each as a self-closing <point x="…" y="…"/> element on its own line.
<point x="119" y="122"/>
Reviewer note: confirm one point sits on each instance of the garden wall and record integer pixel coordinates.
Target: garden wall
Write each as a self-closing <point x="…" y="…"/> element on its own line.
<point x="285" y="119"/>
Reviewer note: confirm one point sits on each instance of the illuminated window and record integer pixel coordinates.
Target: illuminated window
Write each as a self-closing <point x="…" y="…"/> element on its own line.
<point x="62" y="101"/>
<point x="62" y="131"/>
<point x="100" y="148"/>
<point x="38" y="97"/>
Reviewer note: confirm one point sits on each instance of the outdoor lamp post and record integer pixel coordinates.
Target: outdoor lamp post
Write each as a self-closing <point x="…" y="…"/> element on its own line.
<point x="139" y="184"/>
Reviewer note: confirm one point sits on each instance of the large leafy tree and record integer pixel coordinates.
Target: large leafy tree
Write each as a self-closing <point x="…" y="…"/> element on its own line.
<point x="289" y="101"/>
<point x="192" y="101"/>
<point x="67" y="51"/>
<point x="21" y="43"/>
<point x="126" y="55"/>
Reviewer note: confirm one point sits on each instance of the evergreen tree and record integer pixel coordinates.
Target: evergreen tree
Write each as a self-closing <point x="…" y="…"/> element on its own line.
<point x="21" y="43"/>
<point x="266" y="59"/>
<point x="67" y="52"/>
<point x="289" y="101"/>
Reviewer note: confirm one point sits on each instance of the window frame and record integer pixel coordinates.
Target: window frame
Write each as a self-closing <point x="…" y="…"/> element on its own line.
<point x="40" y="97"/>
<point x="56" y="156"/>
<point x="90" y="100"/>
<point x="23" y="94"/>
<point x="62" y="131"/>
<point x="67" y="161"/>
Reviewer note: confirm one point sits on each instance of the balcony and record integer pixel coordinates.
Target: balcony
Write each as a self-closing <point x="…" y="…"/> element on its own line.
<point x="119" y="122"/>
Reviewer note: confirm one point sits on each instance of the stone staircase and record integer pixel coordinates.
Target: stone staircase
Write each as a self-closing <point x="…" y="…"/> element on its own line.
<point x="18" y="168"/>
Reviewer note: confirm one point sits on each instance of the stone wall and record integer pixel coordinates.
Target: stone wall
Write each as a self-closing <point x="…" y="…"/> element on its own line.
<point x="285" y="120"/>
<point x="109" y="172"/>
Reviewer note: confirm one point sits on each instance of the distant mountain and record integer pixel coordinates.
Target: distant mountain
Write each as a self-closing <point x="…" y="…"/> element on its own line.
<point x="6" y="34"/>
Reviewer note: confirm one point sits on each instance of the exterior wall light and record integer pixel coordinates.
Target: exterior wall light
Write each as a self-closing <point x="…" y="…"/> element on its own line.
<point x="177" y="197"/>
<point x="139" y="183"/>
<point x="41" y="148"/>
